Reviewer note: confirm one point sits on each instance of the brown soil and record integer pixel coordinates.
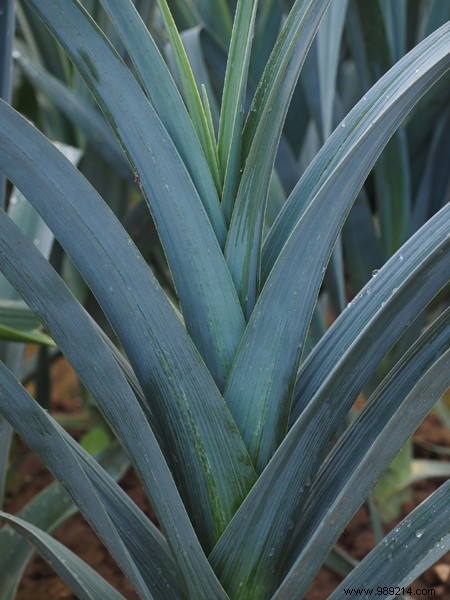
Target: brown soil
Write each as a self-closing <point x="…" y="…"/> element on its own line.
<point x="40" y="582"/>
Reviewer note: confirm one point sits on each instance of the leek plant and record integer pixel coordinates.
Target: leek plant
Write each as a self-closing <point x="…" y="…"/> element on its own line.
<point x="231" y="409"/>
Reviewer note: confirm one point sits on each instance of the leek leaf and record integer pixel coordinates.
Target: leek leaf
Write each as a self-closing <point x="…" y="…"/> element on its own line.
<point x="86" y="583"/>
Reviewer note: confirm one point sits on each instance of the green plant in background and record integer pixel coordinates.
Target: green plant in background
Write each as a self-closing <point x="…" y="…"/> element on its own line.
<point x="229" y="409"/>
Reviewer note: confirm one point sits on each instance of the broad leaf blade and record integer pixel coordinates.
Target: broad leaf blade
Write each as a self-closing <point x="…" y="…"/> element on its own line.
<point x="365" y="451"/>
<point x="210" y="306"/>
<point x="86" y="118"/>
<point x="319" y="205"/>
<point x="47" y="510"/>
<point x="79" y="576"/>
<point x="78" y="338"/>
<point x="266" y="119"/>
<point x="142" y="538"/>
<point x="35" y="427"/>
<point x="264" y="522"/>
<point x="24" y="215"/>
<point x="168" y="103"/>
<point x="371" y="122"/>
<point x="198" y="428"/>
<point x="53" y="506"/>
<point x="413" y="546"/>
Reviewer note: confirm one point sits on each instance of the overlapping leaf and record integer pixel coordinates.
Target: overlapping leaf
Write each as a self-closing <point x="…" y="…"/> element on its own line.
<point x="263" y="525"/>
<point x="81" y="578"/>
<point x="407" y="551"/>
<point x="234" y="94"/>
<point x="210" y="306"/>
<point x="391" y="172"/>
<point x="191" y="94"/>
<point x="197" y="426"/>
<point x="168" y="103"/>
<point x="389" y="418"/>
<point x="76" y="335"/>
<point x="266" y="366"/>
<point x="261" y="138"/>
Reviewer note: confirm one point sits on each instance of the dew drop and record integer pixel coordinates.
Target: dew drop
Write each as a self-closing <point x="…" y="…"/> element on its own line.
<point x="419" y="533"/>
<point x="343" y="124"/>
<point x="364" y="97"/>
<point x="16" y="54"/>
<point x="400" y="257"/>
<point x="271" y="552"/>
<point x="375" y="272"/>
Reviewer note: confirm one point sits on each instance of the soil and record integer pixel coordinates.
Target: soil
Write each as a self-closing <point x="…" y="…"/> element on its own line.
<point x="40" y="582"/>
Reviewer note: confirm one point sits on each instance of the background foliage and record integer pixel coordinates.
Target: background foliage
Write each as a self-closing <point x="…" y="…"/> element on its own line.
<point x="239" y="227"/>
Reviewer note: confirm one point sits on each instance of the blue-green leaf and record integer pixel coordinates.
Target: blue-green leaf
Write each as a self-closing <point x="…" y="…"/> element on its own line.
<point x="76" y="335"/>
<point x="36" y="428"/>
<point x="79" y="576"/>
<point x="142" y="538"/>
<point x="198" y="428"/>
<point x="311" y="220"/>
<point x="168" y="103"/>
<point x="47" y="510"/>
<point x="6" y="41"/>
<point x="391" y="173"/>
<point x="24" y="215"/>
<point x="387" y="421"/>
<point x="191" y="93"/>
<point x="89" y="120"/>
<point x="414" y="545"/>
<point x="234" y="94"/>
<point x="261" y="138"/>
<point x="208" y="299"/>
<point x="350" y="352"/>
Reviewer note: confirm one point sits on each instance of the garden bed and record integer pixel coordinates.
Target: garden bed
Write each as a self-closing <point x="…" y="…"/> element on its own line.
<point x="40" y="581"/>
